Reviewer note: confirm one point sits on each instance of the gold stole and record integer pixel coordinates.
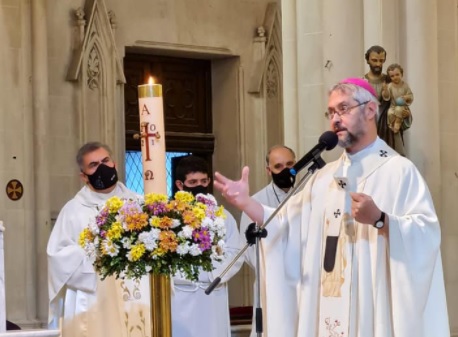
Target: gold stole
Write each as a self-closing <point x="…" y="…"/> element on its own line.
<point x="340" y="267"/>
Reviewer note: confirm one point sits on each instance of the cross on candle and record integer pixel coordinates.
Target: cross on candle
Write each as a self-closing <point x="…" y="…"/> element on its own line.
<point x="151" y="112"/>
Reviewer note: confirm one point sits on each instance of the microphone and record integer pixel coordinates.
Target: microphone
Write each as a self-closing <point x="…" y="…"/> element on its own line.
<point x="328" y="140"/>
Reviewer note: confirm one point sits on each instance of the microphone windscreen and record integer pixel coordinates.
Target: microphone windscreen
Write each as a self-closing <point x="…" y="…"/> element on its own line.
<point x="330" y="139"/>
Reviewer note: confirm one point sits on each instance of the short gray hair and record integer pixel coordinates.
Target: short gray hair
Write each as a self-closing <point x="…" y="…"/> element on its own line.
<point x="88" y="148"/>
<point x="358" y="93"/>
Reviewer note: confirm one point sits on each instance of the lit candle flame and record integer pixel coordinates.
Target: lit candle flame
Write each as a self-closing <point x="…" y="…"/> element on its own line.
<point x="151" y="80"/>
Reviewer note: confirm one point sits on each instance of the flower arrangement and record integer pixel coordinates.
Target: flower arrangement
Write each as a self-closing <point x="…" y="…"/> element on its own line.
<point x="130" y="238"/>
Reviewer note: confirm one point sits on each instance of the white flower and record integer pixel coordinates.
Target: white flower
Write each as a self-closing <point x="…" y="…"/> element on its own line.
<point x="93" y="227"/>
<point x="183" y="248"/>
<point x="219" y="222"/>
<point x="175" y="223"/>
<point x="149" y="239"/>
<point x="212" y="235"/>
<point x="194" y="250"/>
<point x="215" y="256"/>
<point x="111" y="248"/>
<point x="186" y="232"/>
<point x="207" y="222"/>
<point x="124" y="225"/>
<point x="148" y="268"/>
<point x="126" y="243"/>
<point x="221" y="244"/>
<point x="90" y="249"/>
<point x="218" y="252"/>
<point x="221" y="231"/>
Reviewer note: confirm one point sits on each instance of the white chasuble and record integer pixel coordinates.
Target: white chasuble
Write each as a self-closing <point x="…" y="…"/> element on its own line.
<point x="393" y="283"/>
<point x="339" y="273"/>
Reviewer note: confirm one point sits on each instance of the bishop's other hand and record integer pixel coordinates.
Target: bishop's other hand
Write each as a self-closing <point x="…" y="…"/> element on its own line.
<point x="237" y="192"/>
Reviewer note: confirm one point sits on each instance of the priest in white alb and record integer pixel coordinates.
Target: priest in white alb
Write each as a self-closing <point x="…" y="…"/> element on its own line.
<point x="80" y="303"/>
<point x="356" y="253"/>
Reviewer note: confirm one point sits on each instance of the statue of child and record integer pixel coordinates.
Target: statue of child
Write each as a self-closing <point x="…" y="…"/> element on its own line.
<point x="399" y="115"/>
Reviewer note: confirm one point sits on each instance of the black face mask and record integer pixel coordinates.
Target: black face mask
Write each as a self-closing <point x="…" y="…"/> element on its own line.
<point x="196" y="189"/>
<point x="104" y="177"/>
<point x="284" y="179"/>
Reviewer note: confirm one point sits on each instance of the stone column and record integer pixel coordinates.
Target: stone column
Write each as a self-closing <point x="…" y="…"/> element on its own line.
<point x="303" y="76"/>
<point x="448" y="126"/>
<point x="40" y="107"/>
<point x="253" y="124"/>
<point x="372" y="14"/>
<point x="290" y="76"/>
<point x="342" y="41"/>
<point x="381" y="27"/>
<point x="320" y="46"/>
<point x="419" y="55"/>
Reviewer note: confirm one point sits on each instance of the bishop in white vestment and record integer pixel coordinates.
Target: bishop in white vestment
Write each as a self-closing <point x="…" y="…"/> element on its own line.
<point x="357" y="252"/>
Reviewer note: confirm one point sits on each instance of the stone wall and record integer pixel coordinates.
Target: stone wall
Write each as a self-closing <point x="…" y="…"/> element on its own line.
<point x="43" y="115"/>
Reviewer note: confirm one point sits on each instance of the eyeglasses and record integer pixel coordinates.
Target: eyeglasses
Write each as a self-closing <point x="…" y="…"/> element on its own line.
<point x="341" y="110"/>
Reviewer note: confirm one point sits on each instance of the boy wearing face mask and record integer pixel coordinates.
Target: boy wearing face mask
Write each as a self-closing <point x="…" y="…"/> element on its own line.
<point x="189" y="302"/>
<point x="80" y="303"/>
<point x="279" y="160"/>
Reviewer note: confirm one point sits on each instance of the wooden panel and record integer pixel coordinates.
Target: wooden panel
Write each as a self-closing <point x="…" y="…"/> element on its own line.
<point x="186" y="85"/>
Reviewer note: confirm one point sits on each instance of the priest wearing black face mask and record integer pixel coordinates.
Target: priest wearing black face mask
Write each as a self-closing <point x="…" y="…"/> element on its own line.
<point x="279" y="159"/>
<point x="81" y="304"/>
<point x="189" y="301"/>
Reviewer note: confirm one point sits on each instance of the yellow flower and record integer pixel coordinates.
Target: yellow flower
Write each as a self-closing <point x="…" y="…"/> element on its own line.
<point x="183" y="196"/>
<point x="155" y="222"/>
<point x="199" y="213"/>
<point x="137" y="252"/>
<point x="85" y="235"/>
<point x="220" y="212"/>
<point x="179" y="206"/>
<point x="114" y="204"/>
<point x="115" y="231"/>
<point x="152" y="198"/>
<point x="201" y="206"/>
<point x="158" y="252"/>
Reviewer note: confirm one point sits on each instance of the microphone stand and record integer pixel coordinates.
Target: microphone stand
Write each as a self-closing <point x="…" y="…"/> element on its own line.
<point x="260" y="232"/>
